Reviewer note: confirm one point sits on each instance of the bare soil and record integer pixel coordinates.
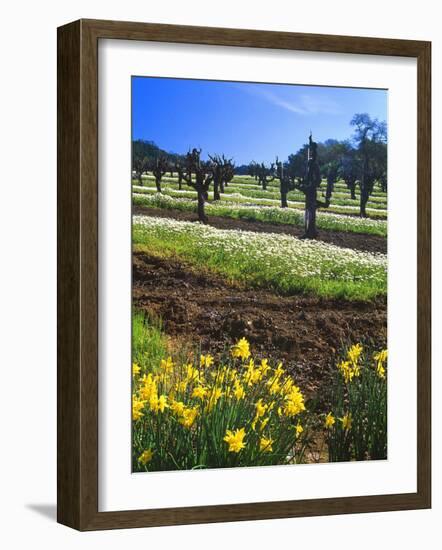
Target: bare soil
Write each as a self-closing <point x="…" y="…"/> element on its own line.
<point x="303" y="331"/>
<point x="368" y="243"/>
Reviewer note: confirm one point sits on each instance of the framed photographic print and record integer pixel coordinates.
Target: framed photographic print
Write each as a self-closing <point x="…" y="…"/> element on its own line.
<point x="243" y="274"/>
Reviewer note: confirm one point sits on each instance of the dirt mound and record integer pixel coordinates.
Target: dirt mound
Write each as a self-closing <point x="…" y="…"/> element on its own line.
<point x="304" y="332"/>
<point x="345" y="239"/>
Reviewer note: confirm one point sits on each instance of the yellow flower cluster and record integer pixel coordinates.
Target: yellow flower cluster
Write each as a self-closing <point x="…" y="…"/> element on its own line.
<point x="350" y="368"/>
<point x="190" y="394"/>
<point x="294" y="402"/>
<point x="241" y="349"/>
<point x="145" y="457"/>
<point x="135" y="369"/>
<point x="346" y="421"/>
<point x="265" y="444"/>
<point x="235" y="440"/>
<point x="188" y="417"/>
<point x="381" y="359"/>
<point x="353" y="367"/>
<point x="329" y="421"/>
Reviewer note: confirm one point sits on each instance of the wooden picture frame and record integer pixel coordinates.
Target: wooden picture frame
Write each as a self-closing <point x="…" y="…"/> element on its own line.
<point x="78" y="273"/>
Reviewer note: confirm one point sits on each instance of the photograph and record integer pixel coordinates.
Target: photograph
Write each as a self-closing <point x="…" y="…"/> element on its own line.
<point x="259" y="274"/>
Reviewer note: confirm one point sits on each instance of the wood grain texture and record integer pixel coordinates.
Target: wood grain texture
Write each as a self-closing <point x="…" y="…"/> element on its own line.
<point x="77" y="225"/>
<point x="68" y="276"/>
<point x="424" y="274"/>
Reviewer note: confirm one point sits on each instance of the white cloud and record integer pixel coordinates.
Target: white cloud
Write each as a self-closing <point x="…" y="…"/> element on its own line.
<point x="303" y="104"/>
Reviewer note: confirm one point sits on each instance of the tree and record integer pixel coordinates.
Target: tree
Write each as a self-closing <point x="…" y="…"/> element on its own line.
<point x="201" y="180"/>
<point x="296" y="162"/>
<point x="332" y="171"/>
<point x="140" y="165"/>
<point x="370" y="138"/>
<point x="159" y="168"/>
<point x="350" y="169"/>
<point x="265" y="175"/>
<point x="180" y="171"/>
<point x="253" y="170"/>
<point x="286" y="183"/>
<point x="217" y="173"/>
<point x="142" y="148"/>
<point x="222" y="170"/>
<point x="308" y="183"/>
<point x="330" y="155"/>
<point x="228" y="172"/>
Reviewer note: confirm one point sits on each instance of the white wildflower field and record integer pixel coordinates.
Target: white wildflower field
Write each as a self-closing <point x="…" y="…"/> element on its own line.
<point x="281" y="262"/>
<point x="237" y="196"/>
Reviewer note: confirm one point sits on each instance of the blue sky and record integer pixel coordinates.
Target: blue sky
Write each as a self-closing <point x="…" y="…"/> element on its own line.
<point x="242" y="120"/>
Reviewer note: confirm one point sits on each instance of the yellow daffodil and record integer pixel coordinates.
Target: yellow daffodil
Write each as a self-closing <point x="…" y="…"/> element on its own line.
<point x="354" y="353"/>
<point x="213" y="398"/>
<point x="167" y="365"/>
<point x="235" y="440"/>
<point x="381" y="358"/>
<point x="286" y="386"/>
<point x="238" y="391"/>
<point x="206" y="360"/>
<point x="137" y="407"/>
<point x="158" y="404"/>
<point x="349" y="370"/>
<point x="252" y="375"/>
<point x="148" y="387"/>
<point x="182" y="386"/>
<point x="294" y="402"/>
<point x="192" y="374"/>
<point x="329" y="421"/>
<point x="346" y="422"/>
<point x="274" y="386"/>
<point x="177" y="407"/>
<point x="380" y="370"/>
<point x="241" y="349"/>
<point x="135" y="369"/>
<point x="264" y="423"/>
<point x="260" y="411"/>
<point x="279" y="371"/>
<point x="265" y="444"/>
<point x="199" y="392"/>
<point x="264" y="367"/>
<point x="232" y="375"/>
<point x="188" y="417"/>
<point x="145" y="457"/>
<point x="260" y="408"/>
<point x="298" y="429"/>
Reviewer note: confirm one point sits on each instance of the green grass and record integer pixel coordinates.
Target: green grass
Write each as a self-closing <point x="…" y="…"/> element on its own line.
<point x="269" y="214"/>
<point x="265" y="260"/>
<point x="148" y="341"/>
